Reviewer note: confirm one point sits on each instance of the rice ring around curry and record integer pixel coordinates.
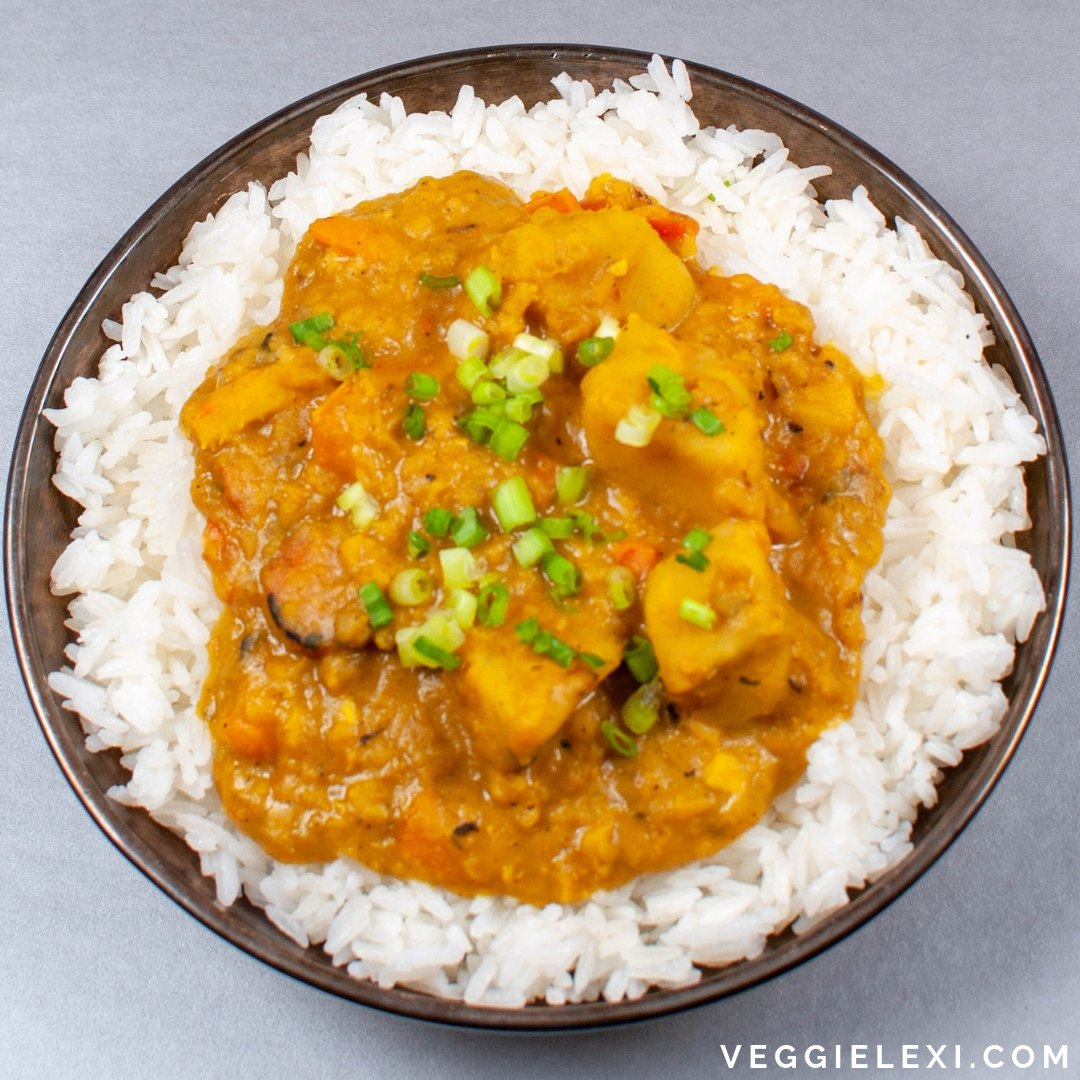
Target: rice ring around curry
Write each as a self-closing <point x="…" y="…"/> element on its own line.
<point x="849" y="818"/>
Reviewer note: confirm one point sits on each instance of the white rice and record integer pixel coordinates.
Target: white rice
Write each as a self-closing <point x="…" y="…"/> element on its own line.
<point x="943" y="610"/>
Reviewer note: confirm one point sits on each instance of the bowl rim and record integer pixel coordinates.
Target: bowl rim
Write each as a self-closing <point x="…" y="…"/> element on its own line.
<point x="716" y="984"/>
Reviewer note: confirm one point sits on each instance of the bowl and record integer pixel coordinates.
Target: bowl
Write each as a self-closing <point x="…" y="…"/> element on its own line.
<point x="39" y="519"/>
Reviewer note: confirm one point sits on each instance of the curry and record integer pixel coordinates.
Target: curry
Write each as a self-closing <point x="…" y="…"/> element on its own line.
<point x="541" y="549"/>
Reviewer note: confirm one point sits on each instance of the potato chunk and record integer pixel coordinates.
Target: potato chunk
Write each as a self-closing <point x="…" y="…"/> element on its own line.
<point x="681" y="468"/>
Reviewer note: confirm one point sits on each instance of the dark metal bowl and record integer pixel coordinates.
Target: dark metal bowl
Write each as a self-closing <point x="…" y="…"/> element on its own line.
<point x="39" y="519"/>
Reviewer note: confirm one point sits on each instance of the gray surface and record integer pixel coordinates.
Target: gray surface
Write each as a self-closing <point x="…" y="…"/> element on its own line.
<point x="104" y="105"/>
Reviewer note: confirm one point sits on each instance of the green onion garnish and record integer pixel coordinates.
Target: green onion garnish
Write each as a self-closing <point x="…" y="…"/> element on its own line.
<point x="513" y="504"/>
<point x="375" y="604"/>
<point x="558" y="528"/>
<point x="427" y="648"/>
<point x="621" y="588"/>
<point x="562" y="573"/>
<point x="459" y="568"/>
<point x="437" y="521"/>
<point x="432" y="282"/>
<point x="420" y="386"/>
<point x="641" y="709"/>
<point x="591" y="659"/>
<point x="487" y="392"/>
<point x="492" y="604"/>
<point x="697" y="540"/>
<point x="531" y="547"/>
<point x="466" y="340"/>
<point x="592" y="350"/>
<point x="712" y="198"/>
<point x="705" y="420"/>
<point x="699" y="614"/>
<point x="670" y="397"/>
<point x="418" y="545"/>
<point x="563" y="654"/>
<point x="784" y="341"/>
<point x="640" y="659"/>
<point x="484" y="289"/>
<point x="527" y="630"/>
<point x="507" y="439"/>
<point x="411" y="587"/>
<point x="591" y="531"/>
<point x="480" y="423"/>
<point x="414" y="422"/>
<point x="467" y="530"/>
<point x="570" y="482"/>
<point x="636" y="428"/>
<point x="618" y="740"/>
<point x="461" y="607"/>
<point x="309" y="331"/>
<point x="334" y="359"/>
<point x="695" y="560"/>
<point x="520" y="409"/>
<point x="472" y="371"/>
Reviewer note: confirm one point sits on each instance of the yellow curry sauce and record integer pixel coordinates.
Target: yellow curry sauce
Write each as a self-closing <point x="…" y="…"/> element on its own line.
<point x="504" y="765"/>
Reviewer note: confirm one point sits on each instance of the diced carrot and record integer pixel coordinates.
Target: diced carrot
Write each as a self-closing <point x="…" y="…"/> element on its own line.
<point x="636" y="556"/>
<point x="669" y="224"/>
<point x="561" y="201"/>
<point x="355" y="236"/>
<point x="249" y="736"/>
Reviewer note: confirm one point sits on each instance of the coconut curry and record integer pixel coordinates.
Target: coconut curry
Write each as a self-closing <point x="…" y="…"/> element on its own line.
<point x="541" y="549"/>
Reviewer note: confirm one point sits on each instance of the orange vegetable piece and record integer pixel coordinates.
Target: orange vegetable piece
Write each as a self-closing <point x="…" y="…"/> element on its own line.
<point x="637" y="557"/>
<point x="562" y="201"/>
<point x="669" y="224"/>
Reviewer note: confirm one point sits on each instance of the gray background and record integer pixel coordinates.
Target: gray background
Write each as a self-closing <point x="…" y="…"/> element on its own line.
<point x="104" y="105"/>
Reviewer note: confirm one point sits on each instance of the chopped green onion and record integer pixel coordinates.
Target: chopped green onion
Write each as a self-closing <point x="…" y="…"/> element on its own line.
<point x="505" y="359"/>
<point x="618" y="740"/>
<point x="670" y="397"/>
<point x="484" y="290"/>
<point x="439" y="629"/>
<point x="418" y="545"/>
<point x="493" y="601"/>
<point x="507" y="439"/>
<point x="592" y="350"/>
<point x="562" y="573"/>
<point x="712" y="198"/>
<point x="520" y="407"/>
<point x="695" y="560"/>
<point x="531" y="547"/>
<point x="375" y="604"/>
<point x="411" y="587"/>
<point x="513" y="504"/>
<point x="608" y="328"/>
<point x="309" y="331"/>
<point x="431" y="282"/>
<point x="437" y="521"/>
<point x="425" y="647"/>
<point x="699" y="614"/>
<point x="466" y="340"/>
<point x="558" y="528"/>
<point x="467" y="530"/>
<point x="527" y="630"/>
<point x="528" y="373"/>
<point x="361" y="507"/>
<point x="563" y="654"/>
<point x="461" y="607"/>
<point x="570" y="483"/>
<point x="784" y="341"/>
<point x="641" y="709"/>
<point x="487" y="392"/>
<point x="420" y="386"/>
<point x="592" y="659"/>
<point x="705" y="420"/>
<point x="459" y="567"/>
<point x="414" y="422"/>
<point x="335" y="361"/>
<point x="639" y="657"/>
<point x="697" y="540"/>
<point x="480" y="423"/>
<point x="637" y="426"/>
<point x="591" y="531"/>
<point x="621" y="588"/>
<point x="472" y="371"/>
<point x="548" y="351"/>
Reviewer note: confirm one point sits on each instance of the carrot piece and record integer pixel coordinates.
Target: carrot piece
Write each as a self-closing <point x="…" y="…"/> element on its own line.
<point x="669" y="224"/>
<point x="635" y="555"/>
<point x="562" y="201"/>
